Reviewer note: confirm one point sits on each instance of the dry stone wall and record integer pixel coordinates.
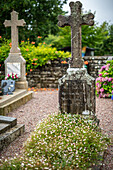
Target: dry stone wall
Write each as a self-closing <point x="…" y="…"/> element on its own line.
<point x="95" y="63"/>
<point x="47" y="76"/>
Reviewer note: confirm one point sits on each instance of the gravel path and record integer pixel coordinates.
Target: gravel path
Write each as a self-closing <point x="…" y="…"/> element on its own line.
<point x="45" y="103"/>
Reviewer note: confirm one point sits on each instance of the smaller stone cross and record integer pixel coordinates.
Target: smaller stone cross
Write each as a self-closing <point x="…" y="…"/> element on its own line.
<point x="14" y="23"/>
<point x="75" y="20"/>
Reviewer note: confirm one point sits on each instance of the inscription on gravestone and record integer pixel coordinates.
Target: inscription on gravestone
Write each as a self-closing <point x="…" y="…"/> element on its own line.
<point x="77" y="94"/>
<point x="13" y="68"/>
<point x="75" y="20"/>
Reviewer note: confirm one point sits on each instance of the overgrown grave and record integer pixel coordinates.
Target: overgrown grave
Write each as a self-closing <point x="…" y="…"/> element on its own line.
<point x="77" y="87"/>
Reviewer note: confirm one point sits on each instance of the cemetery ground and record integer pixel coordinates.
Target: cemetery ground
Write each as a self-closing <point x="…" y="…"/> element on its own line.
<point x="44" y="103"/>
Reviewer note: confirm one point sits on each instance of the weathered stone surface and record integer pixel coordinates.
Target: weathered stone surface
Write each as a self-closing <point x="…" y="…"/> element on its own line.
<point x="75" y="20"/>
<point x="8" y="120"/>
<point x="11" y="102"/>
<point x="76" y="88"/>
<point x="4" y="127"/>
<point x="9" y="130"/>
<point x="10" y="135"/>
<point x="77" y="92"/>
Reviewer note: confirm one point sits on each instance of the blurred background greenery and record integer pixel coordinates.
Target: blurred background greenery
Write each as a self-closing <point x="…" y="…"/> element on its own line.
<point x="41" y="26"/>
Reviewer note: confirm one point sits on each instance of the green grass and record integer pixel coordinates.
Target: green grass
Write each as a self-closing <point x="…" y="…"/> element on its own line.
<point x="61" y="141"/>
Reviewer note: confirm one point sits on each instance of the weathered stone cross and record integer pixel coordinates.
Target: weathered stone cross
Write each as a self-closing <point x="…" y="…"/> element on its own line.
<point x="75" y="20"/>
<point x="14" y="23"/>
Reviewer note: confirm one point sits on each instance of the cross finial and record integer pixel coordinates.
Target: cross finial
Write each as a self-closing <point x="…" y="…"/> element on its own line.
<point x="14" y="23"/>
<point x="75" y="20"/>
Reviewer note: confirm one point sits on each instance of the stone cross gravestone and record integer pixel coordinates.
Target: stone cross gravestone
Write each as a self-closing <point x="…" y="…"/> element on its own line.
<point x="75" y="20"/>
<point x="76" y="88"/>
<point x="15" y="63"/>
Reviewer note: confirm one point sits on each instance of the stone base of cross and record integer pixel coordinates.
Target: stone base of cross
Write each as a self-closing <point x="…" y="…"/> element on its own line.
<point x="77" y="92"/>
<point x="15" y="64"/>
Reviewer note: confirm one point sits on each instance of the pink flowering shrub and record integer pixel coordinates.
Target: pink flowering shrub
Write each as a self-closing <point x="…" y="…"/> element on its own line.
<point x="104" y="83"/>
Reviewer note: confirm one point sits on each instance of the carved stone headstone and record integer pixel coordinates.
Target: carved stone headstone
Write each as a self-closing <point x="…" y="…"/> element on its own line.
<point x="77" y="92"/>
<point x="76" y="88"/>
<point x="15" y="63"/>
<point x="8" y="86"/>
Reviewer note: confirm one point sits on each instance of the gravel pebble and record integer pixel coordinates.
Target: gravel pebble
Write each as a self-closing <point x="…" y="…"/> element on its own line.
<point x="44" y="103"/>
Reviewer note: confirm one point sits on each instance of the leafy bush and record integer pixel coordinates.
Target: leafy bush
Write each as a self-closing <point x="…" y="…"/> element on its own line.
<point x="34" y="56"/>
<point x="40" y="55"/>
<point x="54" y="40"/>
<point x="61" y="141"/>
<point x="104" y="83"/>
<point x="5" y="46"/>
<point x="63" y="39"/>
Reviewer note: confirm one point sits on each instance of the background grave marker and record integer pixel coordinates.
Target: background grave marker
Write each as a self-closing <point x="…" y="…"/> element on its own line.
<point x="15" y="63"/>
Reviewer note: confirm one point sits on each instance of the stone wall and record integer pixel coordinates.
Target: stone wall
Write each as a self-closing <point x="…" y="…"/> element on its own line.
<point x="47" y="76"/>
<point x="95" y="63"/>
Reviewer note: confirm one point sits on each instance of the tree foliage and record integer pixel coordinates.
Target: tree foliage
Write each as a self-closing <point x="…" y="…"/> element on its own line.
<point x="41" y="21"/>
<point x="40" y="16"/>
<point x="98" y="37"/>
<point x="108" y="43"/>
<point x="93" y="36"/>
<point x="62" y="39"/>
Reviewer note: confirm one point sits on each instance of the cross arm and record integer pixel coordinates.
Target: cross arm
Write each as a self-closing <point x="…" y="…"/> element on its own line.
<point x="7" y="23"/>
<point x="88" y="19"/>
<point x="21" y="22"/>
<point x="63" y="21"/>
